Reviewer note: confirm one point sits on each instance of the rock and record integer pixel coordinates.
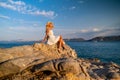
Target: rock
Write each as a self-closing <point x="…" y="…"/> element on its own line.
<point x="44" y="62"/>
<point x="113" y="75"/>
<point x="104" y="72"/>
<point x="8" y="69"/>
<point x="16" y="59"/>
<point x="51" y="50"/>
<point x="15" y="52"/>
<point x="60" y="67"/>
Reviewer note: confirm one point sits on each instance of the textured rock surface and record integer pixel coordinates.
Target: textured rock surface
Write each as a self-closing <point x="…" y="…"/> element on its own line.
<point x="45" y="62"/>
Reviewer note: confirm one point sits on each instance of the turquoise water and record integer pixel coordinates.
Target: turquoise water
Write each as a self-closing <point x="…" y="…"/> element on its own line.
<point x="105" y="51"/>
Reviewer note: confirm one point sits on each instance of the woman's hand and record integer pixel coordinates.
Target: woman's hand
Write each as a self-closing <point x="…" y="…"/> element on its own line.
<point x="43" y="41"/>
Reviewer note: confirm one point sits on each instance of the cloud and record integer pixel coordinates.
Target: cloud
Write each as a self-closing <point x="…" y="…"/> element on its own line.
<point x="76" y="33"/>
<point x="5" y="5"/>
<point x="81" y="1"/>
<point x="18" y="28"/>
<point x="72" y="8"/>
<point x="90" y="33"/>
<point x="41" y="0"/>
<point x="22" y="32"/>
<point x="31" y="28"/>
<point x="95" y="29"/>
<point x="108" y="32"/>
<point x="88" y="30"/>
<point x="23" y="8"/>
<point x="35" y="25"/>
<point x="83" y="31"/>
<point x="44" y="13"/>
<point x="4" y="17"/>
<point x="17" y="2"/>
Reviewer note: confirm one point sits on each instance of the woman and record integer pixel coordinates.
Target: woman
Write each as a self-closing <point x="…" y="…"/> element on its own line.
<point x="51" y="38"/>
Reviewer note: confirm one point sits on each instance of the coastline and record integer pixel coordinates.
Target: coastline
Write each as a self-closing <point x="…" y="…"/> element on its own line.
<point x="29" y="62"/>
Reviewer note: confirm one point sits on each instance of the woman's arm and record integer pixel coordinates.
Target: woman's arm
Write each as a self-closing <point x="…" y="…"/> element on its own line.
<point x="46" y="36"/>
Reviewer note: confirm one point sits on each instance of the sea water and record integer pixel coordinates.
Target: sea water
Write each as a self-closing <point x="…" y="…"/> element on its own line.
<point x="105" y="51"/>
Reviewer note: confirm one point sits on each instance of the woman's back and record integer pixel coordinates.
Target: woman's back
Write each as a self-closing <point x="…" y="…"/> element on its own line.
<point x="50" y="33"/>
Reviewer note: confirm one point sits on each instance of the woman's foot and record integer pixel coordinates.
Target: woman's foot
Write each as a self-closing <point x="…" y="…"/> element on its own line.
<point x="63" y="42"/>
<point x="64" y="47"/>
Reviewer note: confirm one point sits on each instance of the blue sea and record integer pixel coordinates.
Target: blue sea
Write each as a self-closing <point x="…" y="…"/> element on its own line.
<point x="105" y="51"/>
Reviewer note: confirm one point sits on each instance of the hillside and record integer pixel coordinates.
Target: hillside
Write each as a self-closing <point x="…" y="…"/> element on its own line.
<point x="106" y="38"/>
<point x="75" y="39"/>
<point x="99" y="38"/>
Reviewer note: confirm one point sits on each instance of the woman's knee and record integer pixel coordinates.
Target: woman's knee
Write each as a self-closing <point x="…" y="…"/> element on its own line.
<point x="60" y="37"/>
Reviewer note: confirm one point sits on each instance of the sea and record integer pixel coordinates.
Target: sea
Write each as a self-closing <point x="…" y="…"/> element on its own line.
<point x="105" y="51"/>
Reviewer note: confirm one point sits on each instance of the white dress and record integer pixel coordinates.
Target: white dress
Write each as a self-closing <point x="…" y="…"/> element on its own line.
<point x="52" y="38"/>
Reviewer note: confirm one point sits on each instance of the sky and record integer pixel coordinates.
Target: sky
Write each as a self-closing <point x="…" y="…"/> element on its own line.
<point x="26" y="19"/>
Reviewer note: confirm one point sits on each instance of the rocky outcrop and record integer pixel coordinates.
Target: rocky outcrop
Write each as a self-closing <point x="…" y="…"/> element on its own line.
<point x="45" y="62"/>
<point x="98" y="70"/>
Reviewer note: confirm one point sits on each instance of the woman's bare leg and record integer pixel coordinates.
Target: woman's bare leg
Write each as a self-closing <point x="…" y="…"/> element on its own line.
<point x="61" y="43"/>
<point x="59" y="46"/>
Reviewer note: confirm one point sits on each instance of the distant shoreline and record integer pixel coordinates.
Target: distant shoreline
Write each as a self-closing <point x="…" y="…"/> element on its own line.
<point x="95" y="39"/>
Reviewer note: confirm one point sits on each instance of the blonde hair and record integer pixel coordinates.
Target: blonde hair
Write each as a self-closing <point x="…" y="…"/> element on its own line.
<point x="49" y="25"/>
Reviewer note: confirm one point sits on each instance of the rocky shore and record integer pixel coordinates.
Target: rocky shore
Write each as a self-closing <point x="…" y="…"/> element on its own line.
<point x="45" y="62"/>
